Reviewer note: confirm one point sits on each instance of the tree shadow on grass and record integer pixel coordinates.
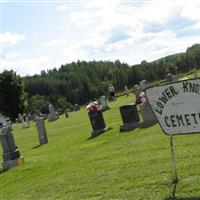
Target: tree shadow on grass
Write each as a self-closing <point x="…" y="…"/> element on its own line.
<point x="174" y="197"/>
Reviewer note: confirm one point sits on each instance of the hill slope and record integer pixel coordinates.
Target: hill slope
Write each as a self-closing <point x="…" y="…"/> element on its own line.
<point x="113" y="166"/>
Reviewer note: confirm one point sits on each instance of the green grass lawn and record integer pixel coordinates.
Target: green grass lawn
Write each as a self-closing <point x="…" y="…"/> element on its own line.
<point x="114" y="166"/>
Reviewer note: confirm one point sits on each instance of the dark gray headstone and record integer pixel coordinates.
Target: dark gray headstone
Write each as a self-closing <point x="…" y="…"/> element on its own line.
<point x="130" y="117"/>
<point x="97" y="122"/>
<point x="41" y="130"/>
<point x="137" y="91"/>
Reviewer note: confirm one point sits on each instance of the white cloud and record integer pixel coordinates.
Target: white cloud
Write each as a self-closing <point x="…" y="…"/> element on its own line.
<point x="10" y="39"/>
<point x="26" y="66"/>
<point x="81" y="18"/>
<point x="74" y="53"/>
<point x="151" y="25"/>
<point x="55" y="42"/>
<point x="61" y="8"/>
<point x="102" y="30"/>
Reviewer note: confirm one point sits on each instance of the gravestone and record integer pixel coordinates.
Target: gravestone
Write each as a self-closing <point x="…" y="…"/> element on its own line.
<point x="148" y="118"/>
<point x="97" y="122"/>
<point x="27" y="123"/>
<point x="130" y="117"/>
<point x="137" y="91"/>
<point x="126" y="90"/>
<point x="2" y="120"/>
<point x="76" y="107"/>
<point x="111" y="91"/>
<point x="194" y="71"/>
<point x="169" y="77"/>
<point x="34" y="117"/>
<point x="30" y="117"/>
<point x="175" y="78"/>
<point x="103" y="103"/>
<point x="21" y="120"/>
<point x="44" y="116"/>
<point x="41" y="130"/>
<point x="144" y="84"/>
<point x="11" y="155"/>
<point x="66" y="114"/>
<point x="52" y="116"/>
<point x="24" y="120"/>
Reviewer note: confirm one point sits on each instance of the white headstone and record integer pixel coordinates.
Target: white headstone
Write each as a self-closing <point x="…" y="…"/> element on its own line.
<point x="103" y="103"/>
<point x="144" y="84"/>
<point x="52" y="116"/>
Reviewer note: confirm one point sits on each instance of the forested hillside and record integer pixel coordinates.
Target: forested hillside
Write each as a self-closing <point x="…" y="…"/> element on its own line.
<point x="80" y="81"/>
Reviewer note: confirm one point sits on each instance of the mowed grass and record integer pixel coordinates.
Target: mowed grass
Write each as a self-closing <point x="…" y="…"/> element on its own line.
<point x="114" y="166"/>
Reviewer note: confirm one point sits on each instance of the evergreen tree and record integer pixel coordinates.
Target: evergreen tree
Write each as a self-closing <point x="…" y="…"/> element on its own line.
<point x="13" y="99"/>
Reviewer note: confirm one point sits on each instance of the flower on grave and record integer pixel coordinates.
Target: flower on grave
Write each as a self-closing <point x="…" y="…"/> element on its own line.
<point x="93" y="107"/>
<point x="143" y="98"/>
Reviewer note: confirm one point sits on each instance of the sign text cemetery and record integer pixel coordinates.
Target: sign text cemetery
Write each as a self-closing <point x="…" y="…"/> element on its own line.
<point x="177" y="106"/>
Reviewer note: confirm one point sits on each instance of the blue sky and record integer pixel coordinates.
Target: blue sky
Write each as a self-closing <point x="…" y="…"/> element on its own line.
<point x="41" y="35"/>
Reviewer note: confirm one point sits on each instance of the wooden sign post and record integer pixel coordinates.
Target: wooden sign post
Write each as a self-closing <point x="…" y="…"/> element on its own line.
<point x="176" y="107"/>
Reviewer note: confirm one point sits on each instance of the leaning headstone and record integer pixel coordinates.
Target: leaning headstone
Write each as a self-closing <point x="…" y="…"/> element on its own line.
<point x="148" y="118"/>
<point x="130" y="117"/>
<point x="41" y="130"/>
<point x="97" y="122"/>
<point x="103" y="103"/>
<point x="52" y="116"/>
<point x="11" y="155"/>
<point x="194" y="71"/>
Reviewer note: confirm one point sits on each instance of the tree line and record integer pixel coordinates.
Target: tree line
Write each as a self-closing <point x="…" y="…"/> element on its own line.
<point x="78" y="82"/>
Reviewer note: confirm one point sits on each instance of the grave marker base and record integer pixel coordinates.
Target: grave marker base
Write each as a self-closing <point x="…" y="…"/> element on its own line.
<point x="128" y="127"/>
<point x="8" y="164"/>
<point x="145" y="124"/>
<point x="100" y="131"/>
<point x="104" y="109"/>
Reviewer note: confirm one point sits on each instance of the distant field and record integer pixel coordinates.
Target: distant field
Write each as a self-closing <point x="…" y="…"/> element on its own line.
<point x="114" y="166"/>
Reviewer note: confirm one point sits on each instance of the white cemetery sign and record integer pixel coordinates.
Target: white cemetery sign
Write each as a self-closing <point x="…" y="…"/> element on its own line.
<point x="176" y="106"/>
